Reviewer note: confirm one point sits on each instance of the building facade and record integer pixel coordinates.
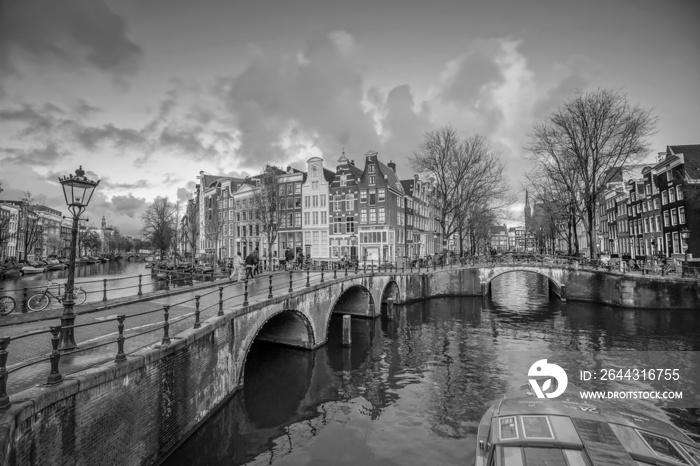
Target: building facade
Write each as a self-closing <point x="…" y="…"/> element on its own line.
<point x="343" y="210"/>
<point x="316" y="200"/>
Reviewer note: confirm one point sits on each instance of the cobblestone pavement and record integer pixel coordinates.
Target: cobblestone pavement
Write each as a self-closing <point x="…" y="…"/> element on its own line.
<point x="96" y="333"/>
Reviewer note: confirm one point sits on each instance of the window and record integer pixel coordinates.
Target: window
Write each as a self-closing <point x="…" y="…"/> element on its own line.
<point x="372" y="215"/>
<point x="238" y="231"/>
<point x="363" y="216"/>
<point x="244" y="215"/>
<point x="297" y="188"/>
<point x="382" y="194"/>
<point x="363" y="196"/>
<point x="371" y="169"/>
<point x="350" y="222"/>
<point x="315" y="201"/>
<point x="315" y="217"/>
<point x="681" y="215"/>
<point x="667" y="219"/>
<point x="307" y="217"/>
<point x="671" y="195"/>
<point x="658" y="223"/>
<point x="373" y="197"/>
<point x="371" y="180"/>
<point x="674" y="217"/>
<point x="656" y="203"/>
<point x="314" y="185"/>
<point x="290" y="188"/>
<point x="323" y="200"/>
<point x="238" y="216"/>
<point x="648" y="189"/>
<point x="342" y="180"/>
<point x="382" y="216"/>
<point x="307" y="201"/>
<point x="290" y="219"/>
<point x="669" y="175"/>
<point x="679" y="193"/>
<point x="283" y="204"/>
<point x="337" y="225"/>
<point x="314" y="171"/>
<point x="350" y="201"/>
<point x="664" y="197"/>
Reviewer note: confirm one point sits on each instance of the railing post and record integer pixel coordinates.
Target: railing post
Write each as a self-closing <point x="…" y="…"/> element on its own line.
<point x="321" y="273"/>
<point x="120" y="339"/>
<point x="245" y="293"/>
<point x="346" y="270"/>
<point x="104" y="290"/>
<point x="25" y="300"/>
<point x="167" y="282"/>
<point x="4" y="398"/>
<point x="166" y="325"/>
<point x="335" y="273"/>
<point x="196" y="312"/>
<point x="364" y="267"/>
<point x="308" y="276"/>
<point x="269" y="295"/>
<point x="434" y="266"/>
<point x="55" y="376"/>
<point x="290" y="281"/>
<point x="221" y="301"/>
<point x="140" y="293"/>
<point x="357" y="267"/>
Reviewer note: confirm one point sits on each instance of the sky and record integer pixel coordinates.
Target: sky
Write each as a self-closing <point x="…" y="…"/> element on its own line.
<point x="145" y="94"/>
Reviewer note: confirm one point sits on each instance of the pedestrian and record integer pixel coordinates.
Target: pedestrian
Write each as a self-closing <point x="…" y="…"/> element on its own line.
<point x="289" y="256"/>
<point x="256" y="262"/>
<point x="238" y="266"/>
<point x="249" y="264"/>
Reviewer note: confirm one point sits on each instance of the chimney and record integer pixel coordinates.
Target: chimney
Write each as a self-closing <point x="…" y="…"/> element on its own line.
<point x="392" y="165"/>
<point x="352" y="162"/>
<point x="660" y="157"/>
<point x="289" y="169"/>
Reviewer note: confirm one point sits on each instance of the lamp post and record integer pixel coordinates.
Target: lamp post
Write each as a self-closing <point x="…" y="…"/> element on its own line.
<point x="77" y="191"/>
<point x="685" y="234"/>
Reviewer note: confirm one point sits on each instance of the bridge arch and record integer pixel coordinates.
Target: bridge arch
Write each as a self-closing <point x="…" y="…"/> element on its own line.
<point x="391" y="291"/>
<point x="355" y="300"/>
<point x="555" y="284"/>
<point x="288" y="327"/>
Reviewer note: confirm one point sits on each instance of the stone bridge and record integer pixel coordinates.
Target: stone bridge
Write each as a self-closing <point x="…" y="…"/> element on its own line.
<point x="160" y="394"/>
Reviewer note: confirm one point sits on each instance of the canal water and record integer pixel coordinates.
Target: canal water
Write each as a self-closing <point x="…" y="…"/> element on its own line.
<point x="412" y="391"/>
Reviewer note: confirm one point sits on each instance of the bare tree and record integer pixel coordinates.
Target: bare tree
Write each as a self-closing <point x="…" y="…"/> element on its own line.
<point x="159" y="227"/>
<point x="468" y="174"/>
<point x="91" y="241"/>
<point x="31" y="226"/>
<point x="190" y="227"/>
<point x="54" y="243"/>
<point x="266" y="201"/>
<point x="584" y="139"/>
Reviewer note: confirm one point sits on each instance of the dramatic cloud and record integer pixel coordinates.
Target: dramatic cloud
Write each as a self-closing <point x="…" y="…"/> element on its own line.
<point x="69" y="34"/>
<point x="308" y="101"/>
<point x="129" y="205"/>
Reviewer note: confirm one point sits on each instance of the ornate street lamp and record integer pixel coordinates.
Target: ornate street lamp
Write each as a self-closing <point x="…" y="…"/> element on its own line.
<point x="685" y="234"/>
<point x="78" y="191"/>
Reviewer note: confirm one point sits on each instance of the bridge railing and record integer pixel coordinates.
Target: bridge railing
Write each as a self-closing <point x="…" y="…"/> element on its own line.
<point x="104" y="289"/>
<point x="24" y="361"/>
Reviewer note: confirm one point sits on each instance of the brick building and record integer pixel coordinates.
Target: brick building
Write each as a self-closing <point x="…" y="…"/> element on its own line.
<point x="344" y="213"/>
<point x="316" y="200"/>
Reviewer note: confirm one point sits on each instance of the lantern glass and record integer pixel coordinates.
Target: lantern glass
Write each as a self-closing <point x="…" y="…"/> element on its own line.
<point x="78" y="191"/>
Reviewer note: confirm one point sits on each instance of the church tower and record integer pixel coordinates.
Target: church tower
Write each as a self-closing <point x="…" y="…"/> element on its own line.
<point x="528" y="212"/>
<point x="104" y="223"/>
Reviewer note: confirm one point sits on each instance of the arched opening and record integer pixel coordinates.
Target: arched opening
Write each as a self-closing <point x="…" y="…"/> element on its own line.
<point x="391" y="291"/>
<point x="522" y="293"/>
<point x="289" y="328"/>
<point x="357" y="301"/>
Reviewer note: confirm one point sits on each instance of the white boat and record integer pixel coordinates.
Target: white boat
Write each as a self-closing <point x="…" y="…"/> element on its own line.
<point x="520" y="429"/>
<point x="54" y="264"/>
<point x="30" y="269"/>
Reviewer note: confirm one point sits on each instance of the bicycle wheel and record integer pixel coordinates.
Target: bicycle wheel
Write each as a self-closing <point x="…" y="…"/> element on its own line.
<point x="7" y="305"/>
<point x="79" y="296"/>
<point x="38" y="302"/>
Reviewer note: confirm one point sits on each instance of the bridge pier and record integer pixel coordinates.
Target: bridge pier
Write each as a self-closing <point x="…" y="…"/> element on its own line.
<point x="347" y="327"/>
<point x="390" y="309"/>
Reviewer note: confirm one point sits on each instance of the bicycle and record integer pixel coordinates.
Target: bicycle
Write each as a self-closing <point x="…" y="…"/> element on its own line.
<point x="40" y="301"/>
<point x="7" y="305"/>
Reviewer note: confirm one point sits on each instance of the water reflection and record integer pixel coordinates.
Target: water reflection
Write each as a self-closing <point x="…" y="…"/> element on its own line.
<point x="412" y="390"/>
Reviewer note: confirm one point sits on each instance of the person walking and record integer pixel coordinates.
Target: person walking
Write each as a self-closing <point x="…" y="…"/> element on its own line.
<point x="238" y="266"/>
<point x="256" y="263"/>
<point x="249" y="264"/>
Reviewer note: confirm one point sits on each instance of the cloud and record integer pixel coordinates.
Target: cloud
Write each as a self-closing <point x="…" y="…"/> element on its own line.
<point x="74" y="33"/>
<point x="129" y="205"/>
<point x="307" y="101"/>
<point x="43" y="155"/>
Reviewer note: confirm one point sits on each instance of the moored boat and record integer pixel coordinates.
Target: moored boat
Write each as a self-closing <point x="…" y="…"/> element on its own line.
<point x="520" y="429"/>
<point x="54" y="264"/>
<point x="30" y="269"/>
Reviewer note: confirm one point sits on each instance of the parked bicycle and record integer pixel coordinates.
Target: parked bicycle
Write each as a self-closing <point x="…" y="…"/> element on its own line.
<point x="41" y="301"/>
<point x="7" y="305"/>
